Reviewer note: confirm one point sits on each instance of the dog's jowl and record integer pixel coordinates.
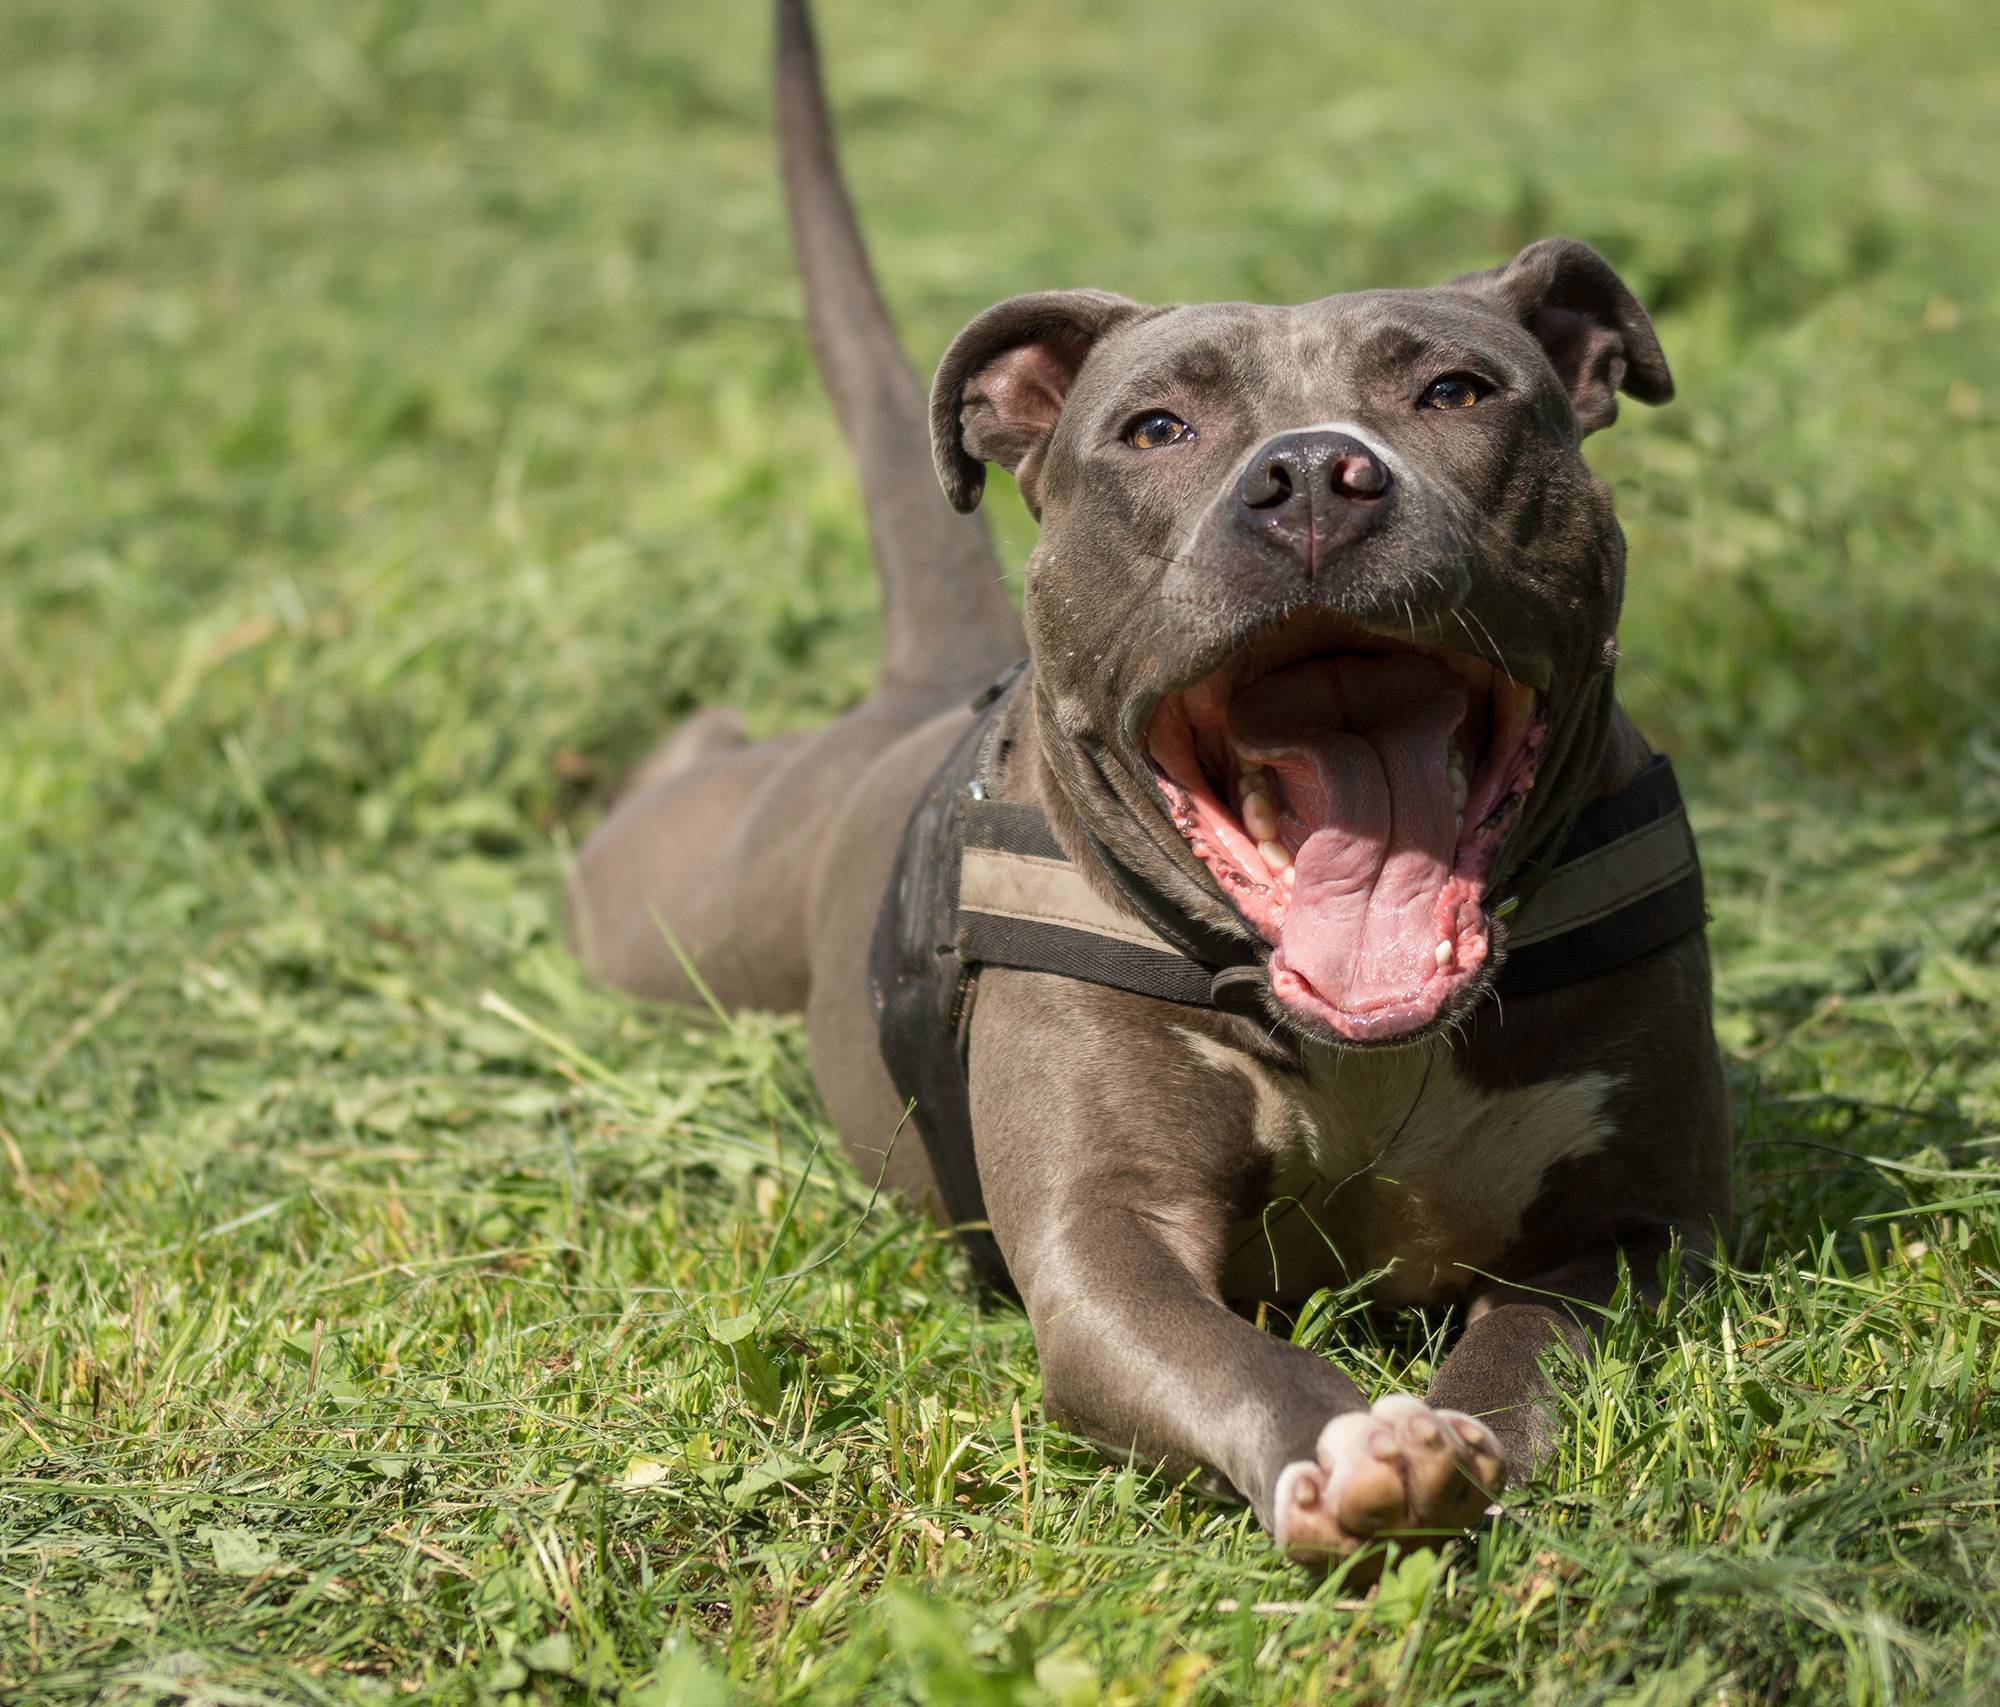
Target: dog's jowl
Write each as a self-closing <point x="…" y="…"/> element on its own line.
<point x="1304" y="911"/>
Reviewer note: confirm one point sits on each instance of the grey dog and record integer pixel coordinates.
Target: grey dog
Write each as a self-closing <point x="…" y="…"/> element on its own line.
<point x="1326" y="918"/>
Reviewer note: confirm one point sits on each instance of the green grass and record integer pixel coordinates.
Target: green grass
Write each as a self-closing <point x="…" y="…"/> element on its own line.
<point x="406" y="417"/>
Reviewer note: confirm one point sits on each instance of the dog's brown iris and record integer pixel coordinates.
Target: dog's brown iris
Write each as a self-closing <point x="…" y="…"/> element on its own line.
<point x="1454" y="391"/>
<point x="1155" y="429"/>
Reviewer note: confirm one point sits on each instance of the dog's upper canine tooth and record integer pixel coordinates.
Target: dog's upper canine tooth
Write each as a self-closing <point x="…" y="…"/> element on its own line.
<point x="1260" y="817"/>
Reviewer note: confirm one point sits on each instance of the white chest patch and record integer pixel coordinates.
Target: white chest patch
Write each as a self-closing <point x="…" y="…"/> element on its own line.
<point x="1400" y="1166"/>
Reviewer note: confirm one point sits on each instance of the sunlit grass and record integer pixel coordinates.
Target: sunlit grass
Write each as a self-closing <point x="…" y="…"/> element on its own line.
<point x="407" y="417"/>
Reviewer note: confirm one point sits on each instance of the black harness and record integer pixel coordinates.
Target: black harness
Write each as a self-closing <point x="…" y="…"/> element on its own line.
<point x="982" y="882"/>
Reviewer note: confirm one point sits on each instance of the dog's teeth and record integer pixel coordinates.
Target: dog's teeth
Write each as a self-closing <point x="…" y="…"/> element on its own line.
<point x="1276" y="855"/>
<point x="1289" y="877"/>
<point x="1455" y="767"/>
<point x="1443" y="955"/>
<point x="1260" y="817"/>
<point x="1251" y="779"/>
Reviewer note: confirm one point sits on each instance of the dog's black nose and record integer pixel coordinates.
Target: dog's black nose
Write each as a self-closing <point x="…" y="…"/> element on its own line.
<point x="1312" y="492"/>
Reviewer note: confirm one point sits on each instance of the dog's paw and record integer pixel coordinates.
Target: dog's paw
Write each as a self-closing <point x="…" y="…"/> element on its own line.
<point x="1398" y="1470"/>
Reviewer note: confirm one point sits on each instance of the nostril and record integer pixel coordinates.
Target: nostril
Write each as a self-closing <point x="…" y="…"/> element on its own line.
<point x="1357" y="476"/>
<point x="1268" y="487"/>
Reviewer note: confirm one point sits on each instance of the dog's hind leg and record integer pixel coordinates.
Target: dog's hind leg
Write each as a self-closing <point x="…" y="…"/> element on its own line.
<point x="710" y="861"/>
<point x="681" y="874"/>
<point x="706" y="735"/>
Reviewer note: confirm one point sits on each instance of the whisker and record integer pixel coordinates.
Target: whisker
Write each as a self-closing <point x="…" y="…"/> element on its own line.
<point x="1499" y="656"/>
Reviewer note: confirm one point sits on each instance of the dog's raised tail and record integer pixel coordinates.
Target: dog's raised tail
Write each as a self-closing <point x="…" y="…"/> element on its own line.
<point x="946" y="618"/>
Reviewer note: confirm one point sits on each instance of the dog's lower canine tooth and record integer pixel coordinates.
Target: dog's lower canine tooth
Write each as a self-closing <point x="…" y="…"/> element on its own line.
<point x="1444" y="952"/>
<point x="1260" y="817"/>
<point x="1275" y="854"/>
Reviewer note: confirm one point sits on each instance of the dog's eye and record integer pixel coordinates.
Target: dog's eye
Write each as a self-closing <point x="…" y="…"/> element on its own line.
<point x="1454" y="391"/>
<point x="1156" y="428"/>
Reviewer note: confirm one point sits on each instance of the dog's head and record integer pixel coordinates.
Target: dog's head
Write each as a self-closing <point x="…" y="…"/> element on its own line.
<point x="1323" y="606"/>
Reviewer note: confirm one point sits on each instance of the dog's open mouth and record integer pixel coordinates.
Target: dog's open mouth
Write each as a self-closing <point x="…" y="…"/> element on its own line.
<point x="1351" y="795"/>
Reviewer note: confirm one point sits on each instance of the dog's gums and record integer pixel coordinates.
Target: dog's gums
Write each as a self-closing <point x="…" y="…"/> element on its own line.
<point x="1350" y="794"/>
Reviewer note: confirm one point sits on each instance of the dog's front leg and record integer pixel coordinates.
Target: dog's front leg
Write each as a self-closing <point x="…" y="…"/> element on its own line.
<point x="1495" y="1370"/>
<point x="1112" y="1157"/>
<point x="1140" y="1353"/>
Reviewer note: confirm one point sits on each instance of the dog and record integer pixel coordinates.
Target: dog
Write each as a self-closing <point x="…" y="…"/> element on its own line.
<point x="1304" y="912"/>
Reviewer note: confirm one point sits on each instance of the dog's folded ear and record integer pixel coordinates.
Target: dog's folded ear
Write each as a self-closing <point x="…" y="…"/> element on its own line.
<point x="1598" y="338"/>
<point x="1003" y="383"/>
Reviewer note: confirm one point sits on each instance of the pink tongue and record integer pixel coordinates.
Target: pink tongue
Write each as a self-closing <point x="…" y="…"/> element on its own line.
<point x="1360" y="746"/>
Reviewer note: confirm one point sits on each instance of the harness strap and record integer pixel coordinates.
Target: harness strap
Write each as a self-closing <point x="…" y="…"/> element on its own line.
<point x="1627" y="884"/>
<point x="920" y="988"/>
<point x="1022" y="904"/>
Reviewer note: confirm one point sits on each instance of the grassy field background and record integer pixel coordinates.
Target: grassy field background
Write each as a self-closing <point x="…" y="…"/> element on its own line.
<point x="404" y="416"/>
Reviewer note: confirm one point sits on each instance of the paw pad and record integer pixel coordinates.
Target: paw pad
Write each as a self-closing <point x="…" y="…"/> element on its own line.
<point x="1398" y="1469"/>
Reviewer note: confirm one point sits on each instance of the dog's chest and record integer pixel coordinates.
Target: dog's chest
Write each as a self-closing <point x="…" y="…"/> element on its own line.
<point x="1399" y="1166"/>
